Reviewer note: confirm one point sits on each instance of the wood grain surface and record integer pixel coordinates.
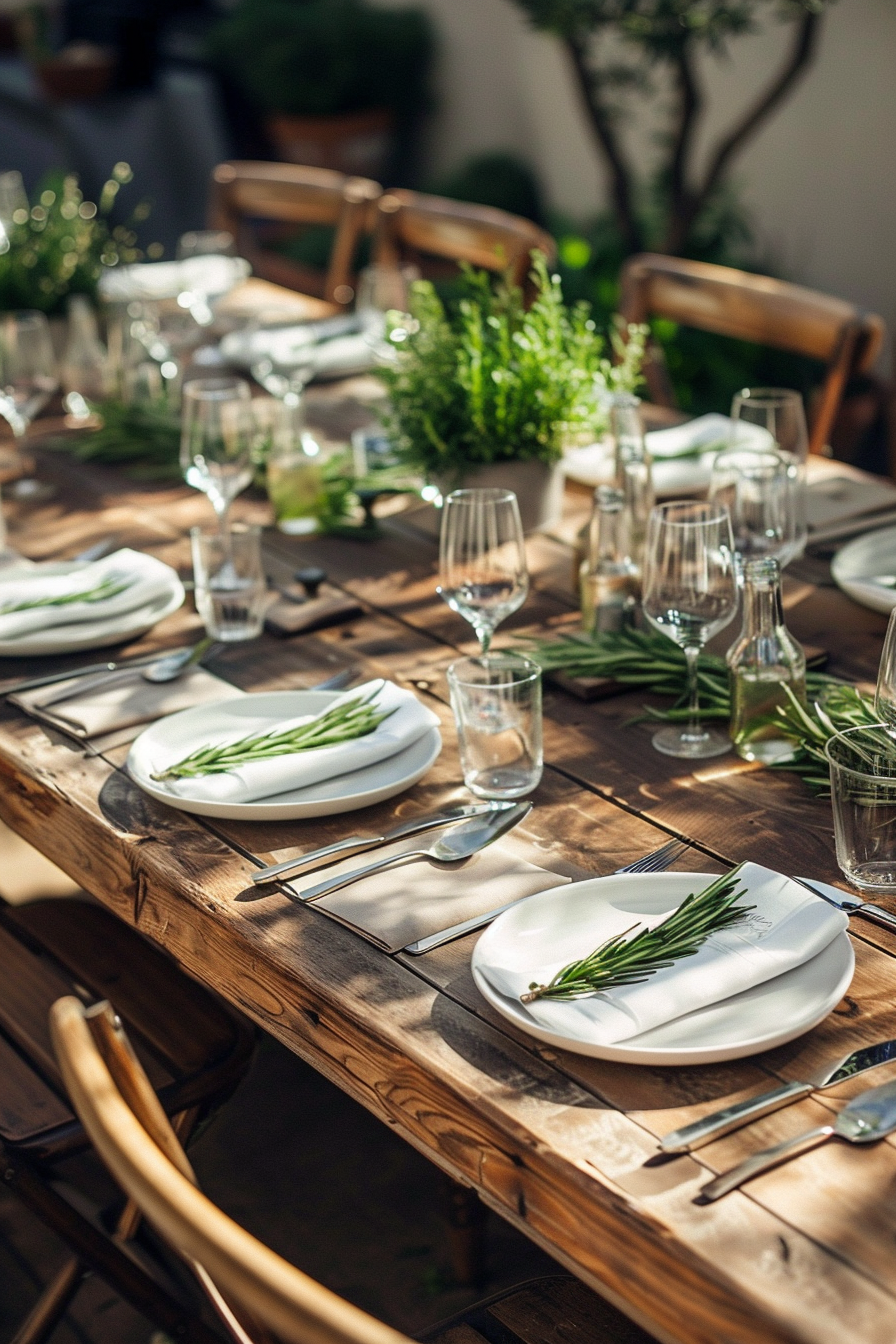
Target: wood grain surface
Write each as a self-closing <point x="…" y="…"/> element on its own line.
<point x="562" y="1146"/>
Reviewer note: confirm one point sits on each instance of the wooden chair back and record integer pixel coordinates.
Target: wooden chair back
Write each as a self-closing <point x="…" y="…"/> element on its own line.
<point x="245" y="191"/>
<point x="247" y="1282"/>
<point x="753" y="308"/>
<point x="411" y="226"/>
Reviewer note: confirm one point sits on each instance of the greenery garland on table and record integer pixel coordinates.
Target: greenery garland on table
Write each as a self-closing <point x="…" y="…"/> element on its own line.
<point x="648" y="659"/>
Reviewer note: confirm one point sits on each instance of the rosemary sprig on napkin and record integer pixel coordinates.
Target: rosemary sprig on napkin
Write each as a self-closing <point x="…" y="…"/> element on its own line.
<point x="627" y="961"/>
<point x="340" y="723"/>
<point x="108" y="587"/>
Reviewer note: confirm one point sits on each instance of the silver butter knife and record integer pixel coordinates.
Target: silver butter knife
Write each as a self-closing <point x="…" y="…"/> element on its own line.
<point x="713" y="1126"/>
<point x="415" y="826"/>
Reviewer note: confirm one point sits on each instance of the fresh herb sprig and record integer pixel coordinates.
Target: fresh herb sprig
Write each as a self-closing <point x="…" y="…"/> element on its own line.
<point x="108" y="587"/>
<point x="629" y="961"/>
<point x="340" y="723"/>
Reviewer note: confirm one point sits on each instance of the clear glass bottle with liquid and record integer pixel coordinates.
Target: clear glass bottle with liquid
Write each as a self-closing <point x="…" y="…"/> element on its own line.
<point x="633" y="471"/>
<point x="608" y="577"/>
<point x="761" y="663"/>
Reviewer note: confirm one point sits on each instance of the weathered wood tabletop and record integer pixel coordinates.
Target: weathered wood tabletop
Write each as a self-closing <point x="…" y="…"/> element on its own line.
<point x="562" y="1146"/>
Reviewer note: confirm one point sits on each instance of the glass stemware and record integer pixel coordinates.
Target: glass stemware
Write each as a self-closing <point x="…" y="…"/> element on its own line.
<point x="482" y="563"/>
<point x="689" y="594"/>
<point x="28" y="378"/>
<point x="885" y="691"/>
<point x="778" y="414"/>
<point x="760" y="493"/>
<point x="217" y="436"/>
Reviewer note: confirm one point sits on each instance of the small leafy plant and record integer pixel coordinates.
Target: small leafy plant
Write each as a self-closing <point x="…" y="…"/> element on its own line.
<point x="58" y="243"/>
<point x="485" y="380"/>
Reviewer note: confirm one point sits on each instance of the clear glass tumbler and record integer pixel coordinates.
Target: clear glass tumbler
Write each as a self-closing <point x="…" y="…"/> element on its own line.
<point x="863" y="788"/>
<point x="230" y="583"/>
<point x="496" y="700"/>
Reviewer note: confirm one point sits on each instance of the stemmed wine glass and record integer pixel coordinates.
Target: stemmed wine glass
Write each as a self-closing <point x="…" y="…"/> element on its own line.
<point x="779" y="413"/>
<point x="28" y="378"/>
<point x="483" y="559"/>
<point x="689" y="594"/>
<point x="762" y="497"/>
<point x="217" y="435"/>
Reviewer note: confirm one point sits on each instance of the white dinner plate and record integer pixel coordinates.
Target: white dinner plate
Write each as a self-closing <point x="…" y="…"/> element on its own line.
<point x="868" y="556"/>
<point x="757" y="1019"/>
<point x="100" y="634"/>
<point x="179" y="734"/>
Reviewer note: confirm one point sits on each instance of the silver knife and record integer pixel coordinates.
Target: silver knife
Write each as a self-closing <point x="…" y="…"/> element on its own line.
<point x="713" y="1126"/>
<point x="852" y="905"/>
<point x="415" y="826"/>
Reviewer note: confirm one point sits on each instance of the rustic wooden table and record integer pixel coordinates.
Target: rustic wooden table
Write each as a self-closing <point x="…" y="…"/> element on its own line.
<point x="562" y="1146"/>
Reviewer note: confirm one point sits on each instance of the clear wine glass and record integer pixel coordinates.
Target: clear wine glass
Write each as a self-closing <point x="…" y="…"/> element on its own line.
<point x="689" y="594"/>
<point x="217" y="435"/>
<point x="885" y="692"/>
<point x="28" y="379"/>
<point x="483" y="559"/>
<point x="776" y="415"/>
<point x="761" y="495"/>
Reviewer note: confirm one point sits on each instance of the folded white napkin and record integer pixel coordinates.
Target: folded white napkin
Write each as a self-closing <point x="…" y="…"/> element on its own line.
<point x="209" y="275"/>
<point x="707" y="434"/>
<point x="788" y="926"/>
<point x="263" y="779"/>
<point x="145" y="578"/>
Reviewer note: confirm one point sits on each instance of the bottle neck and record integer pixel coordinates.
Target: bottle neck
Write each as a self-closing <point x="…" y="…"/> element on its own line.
<point x="763" y="607"/>
<point x="606" y="542"/>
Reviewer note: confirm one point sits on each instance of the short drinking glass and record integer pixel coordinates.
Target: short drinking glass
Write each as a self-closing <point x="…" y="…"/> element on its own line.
<point x="863" y="788"/>
<point x="497" y="708"/>
<point x="763" y="498"/>
<point x="230" y="582"/>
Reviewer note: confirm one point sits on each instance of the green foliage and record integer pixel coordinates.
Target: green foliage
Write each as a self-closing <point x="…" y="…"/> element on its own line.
<point x="660" y="27"/>
<point x="317" y="57"/>
<point x="489" y="381"/>
<point x="143" y="438"/>
<point x="58" y="244"/>
<point x="497" y="179"/>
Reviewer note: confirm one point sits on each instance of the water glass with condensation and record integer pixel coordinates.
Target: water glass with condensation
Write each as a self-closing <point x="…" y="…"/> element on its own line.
<point x="496" y="700"/>
<point x="863" y="789"/>
<point x="230" y="583"/>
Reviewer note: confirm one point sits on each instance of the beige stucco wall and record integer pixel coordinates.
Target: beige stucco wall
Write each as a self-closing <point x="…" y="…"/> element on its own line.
<point x="820" y="179"/>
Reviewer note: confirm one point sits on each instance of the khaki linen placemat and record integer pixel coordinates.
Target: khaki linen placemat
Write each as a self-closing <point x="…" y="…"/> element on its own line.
<point x="419" y="897"/>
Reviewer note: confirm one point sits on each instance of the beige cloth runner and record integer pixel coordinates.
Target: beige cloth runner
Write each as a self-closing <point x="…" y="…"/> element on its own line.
<point x="419" y="897"/>
<point x="117" y="713"/>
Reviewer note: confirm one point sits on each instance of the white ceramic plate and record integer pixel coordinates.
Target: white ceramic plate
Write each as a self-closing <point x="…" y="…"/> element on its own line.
<point x="758" y="1019"/>
<point x="182" y="733"/>
<point x="79" y="635"/>
<point x="862" y="559"/>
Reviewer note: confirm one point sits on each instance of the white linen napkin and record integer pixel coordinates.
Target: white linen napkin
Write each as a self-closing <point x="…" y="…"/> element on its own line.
<point x="263" y="779"/>
<point x="787" y="927"/>
<point x="146" y="579"/>
<point x="707" y="434"/>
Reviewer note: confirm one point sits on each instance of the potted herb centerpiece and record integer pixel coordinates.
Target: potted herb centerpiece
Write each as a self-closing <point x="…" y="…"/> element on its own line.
<point x="485" y="392"/>
<point x="334" y="79"/>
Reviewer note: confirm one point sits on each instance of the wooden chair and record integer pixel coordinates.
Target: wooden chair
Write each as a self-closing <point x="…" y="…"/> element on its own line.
<point x="254" y="1290"/>
<point x="246" y="195"/>
<point x="194" y="1048"/>
<point x="753" y="308"/>
<point x="411" y="227"/>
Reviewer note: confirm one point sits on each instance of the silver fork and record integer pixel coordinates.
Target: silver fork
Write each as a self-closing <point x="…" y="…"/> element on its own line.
<point x="654" y="862"/>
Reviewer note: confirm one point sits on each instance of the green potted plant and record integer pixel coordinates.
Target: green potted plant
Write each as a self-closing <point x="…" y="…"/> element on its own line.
<point x="333" y="78"/>
<point x="485" y="392"/>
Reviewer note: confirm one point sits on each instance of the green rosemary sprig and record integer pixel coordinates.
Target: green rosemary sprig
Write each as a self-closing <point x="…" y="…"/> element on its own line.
<point x="340" y="723"/>
<point x="628" y="961"/>
<point x="110" y="586"/>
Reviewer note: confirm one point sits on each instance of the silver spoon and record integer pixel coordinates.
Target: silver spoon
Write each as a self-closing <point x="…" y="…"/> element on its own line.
<point x="451" y="847"/>
<point x="868" y="1117"/>
<point x="168" y="668"/>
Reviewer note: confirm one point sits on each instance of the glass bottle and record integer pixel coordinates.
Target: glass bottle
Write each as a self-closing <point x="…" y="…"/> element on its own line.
<point x="633" y="471"/>
<point x="608" y="579"/>
<point x="85" y="364"/>
<point x="761" y="662"/>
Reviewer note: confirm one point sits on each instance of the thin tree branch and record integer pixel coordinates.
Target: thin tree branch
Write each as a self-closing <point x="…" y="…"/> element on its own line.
<point x="690" y="104"/>
<point x="620" y="173"/>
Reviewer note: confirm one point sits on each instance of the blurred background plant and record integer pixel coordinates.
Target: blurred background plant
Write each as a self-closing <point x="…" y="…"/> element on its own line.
<point x="57" y="243"/>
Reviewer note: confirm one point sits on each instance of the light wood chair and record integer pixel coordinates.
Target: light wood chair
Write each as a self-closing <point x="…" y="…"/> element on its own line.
<point x="196" y="1051"/>
<point x="247" y="195"/>
<point x="753" y="308"/>
<point x="253" y="1290"/>
<point x="411" y="227"/>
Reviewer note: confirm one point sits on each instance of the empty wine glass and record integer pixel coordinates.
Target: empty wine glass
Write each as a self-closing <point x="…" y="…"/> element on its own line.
<point x="483" y="559"/>
<point x="885" y="692"/>
<point x="217" y="435"/>
<point x="28" y="378"/>
<point x="690" y="593"/>
<point x="760" y="493"/>
<point x="777" y="410"/>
